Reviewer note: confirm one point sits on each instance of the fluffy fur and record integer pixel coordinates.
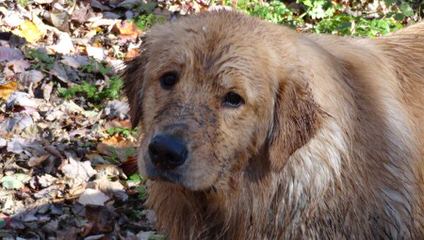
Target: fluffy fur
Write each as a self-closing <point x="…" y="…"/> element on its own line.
<point x="328" y="145"/>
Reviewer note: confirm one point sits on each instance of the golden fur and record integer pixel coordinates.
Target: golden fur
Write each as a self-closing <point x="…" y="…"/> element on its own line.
<point x="328" y="144"/>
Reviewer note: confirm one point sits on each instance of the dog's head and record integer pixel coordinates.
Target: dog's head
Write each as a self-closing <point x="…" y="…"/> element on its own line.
<point x="211" y="93"/>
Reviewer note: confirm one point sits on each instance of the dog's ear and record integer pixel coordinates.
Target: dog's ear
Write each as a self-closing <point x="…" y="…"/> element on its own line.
<point x="296" y="120"/>
<point x="133" y="86"/>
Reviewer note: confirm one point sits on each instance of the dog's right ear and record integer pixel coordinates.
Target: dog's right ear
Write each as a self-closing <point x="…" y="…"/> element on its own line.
<point x="296" y="120"/>
<point x="133" y="86"/>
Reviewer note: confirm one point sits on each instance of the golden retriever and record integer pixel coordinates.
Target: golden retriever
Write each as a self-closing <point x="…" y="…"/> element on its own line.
<point x="254" y="131"/>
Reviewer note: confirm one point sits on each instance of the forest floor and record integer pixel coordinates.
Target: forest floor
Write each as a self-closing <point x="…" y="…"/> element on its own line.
<point x="64" y="128"/>
<point x="67" y="149"/>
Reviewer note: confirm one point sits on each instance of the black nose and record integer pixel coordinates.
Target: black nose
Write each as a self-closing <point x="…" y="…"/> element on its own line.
<point x="167" y="152"/>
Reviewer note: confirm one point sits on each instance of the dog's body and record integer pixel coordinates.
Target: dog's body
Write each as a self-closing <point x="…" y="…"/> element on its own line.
<point x="329" y="143"/>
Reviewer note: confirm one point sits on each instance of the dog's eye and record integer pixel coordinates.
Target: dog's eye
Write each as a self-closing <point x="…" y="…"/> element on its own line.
<point x="168" y="80"/>
<point x="233" y="100"/>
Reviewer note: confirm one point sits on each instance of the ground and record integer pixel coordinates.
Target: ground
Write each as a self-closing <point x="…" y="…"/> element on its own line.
<point x="67" y="150"/>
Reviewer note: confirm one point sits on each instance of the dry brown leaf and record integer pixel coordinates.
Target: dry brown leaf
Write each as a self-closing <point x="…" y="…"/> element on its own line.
<point x="100" y="220"/>
<point x="7" y="89"/>
<point x="16" y="66"/>
<point x="131" y="54"/>
<point x="118" y="123"/>
<point x="35" y="161"/>
<point x="116" y="146"/>
<point x="129" y="167"/>
<point x="127" y="30"/>
<point x="115" y="140"/>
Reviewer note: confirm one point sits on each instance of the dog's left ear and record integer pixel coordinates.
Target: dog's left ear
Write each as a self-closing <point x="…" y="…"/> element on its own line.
<point x="296" y="119"/>
<point x="133" y="87"/>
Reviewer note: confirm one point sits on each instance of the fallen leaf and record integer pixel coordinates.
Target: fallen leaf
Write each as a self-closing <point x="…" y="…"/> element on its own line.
<point x="35" y="161"/>
<point x="22" y="99"/>
<point x="29" y="31"/>
<point x="130" y="4"/>
<point x="46" y="180"/>
<point x="3" y="223"/>
<point x="47" y="90"/>
<point x="48" y="192"/>
<point x="99" y="21"/>
<point x="59" y="71"/>
<point x="17" y="145"/>
<point x="99" y="5"/>
<point x="3" y="142"/>
<point x="30" y="77"/>
<point x="9" y="54"/>
<point x="117" y="109"/>
<point x="100" y="220"/>
<point x="15" y="181"/>
<point x="129" y="166"/>
<point x="111" y="15"/>
<point x="64" y="45"/>
<point x="96" y="52"/>
<point x="13" y="19"/>
<point x="54" y="114"/>
<point x="132" y="53"/>
<point x="145" y="235"/>
<point x="107" y="171"/>
<point x="7" y="89"/>
<point x="75" y="61"/>
<point x="127" y="29"/>
<point x="16" y="66"/>
<point x="78" y="170"/>
<point x="70" y="107"/>
<point x="43" y="1"/>
<point x="116" y="123"/>
<point x="82" y="14"/>
<point x="117" y="146"/>
<point x="93" y="197"/>
<point x="59" y="17"/>
<point x="18" y="122"/>
<point x="114" y="188"/>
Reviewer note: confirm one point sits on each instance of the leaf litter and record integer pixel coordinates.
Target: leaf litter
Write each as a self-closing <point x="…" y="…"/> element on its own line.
<point x="67" y="149"/>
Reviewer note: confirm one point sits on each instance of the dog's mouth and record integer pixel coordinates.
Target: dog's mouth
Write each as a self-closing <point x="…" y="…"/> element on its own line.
<point x="157" y="174"/>
<point x="170" y="177"/>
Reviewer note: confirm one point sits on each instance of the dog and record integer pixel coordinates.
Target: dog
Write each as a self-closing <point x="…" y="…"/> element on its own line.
<point x="252" y="130"/>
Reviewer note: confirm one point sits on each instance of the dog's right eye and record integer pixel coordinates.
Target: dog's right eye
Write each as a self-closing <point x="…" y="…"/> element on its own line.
<point x="168" y="80"/>
<point x="233" y="100"/>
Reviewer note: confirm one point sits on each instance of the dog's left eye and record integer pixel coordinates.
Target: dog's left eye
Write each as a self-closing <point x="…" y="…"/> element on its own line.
<point x="233" y="100"/>
<point x="168" y="80"/>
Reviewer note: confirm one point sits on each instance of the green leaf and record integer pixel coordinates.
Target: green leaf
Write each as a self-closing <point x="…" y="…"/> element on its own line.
<point x="406" y="9"/>
<point x="156" y="237"/>
<point x="135" y="178"/>
<point x="389" y="2"/>
<point x="15" y="181"/>
<point x="142" y="192"/>
<point x="2" y="223"/>
<point x="399" y="16"/>
<point x="91" y="91"/>
<point x="307" y="3"/>
<point x="146" y="21"/>
<point x="147" y="7"/>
